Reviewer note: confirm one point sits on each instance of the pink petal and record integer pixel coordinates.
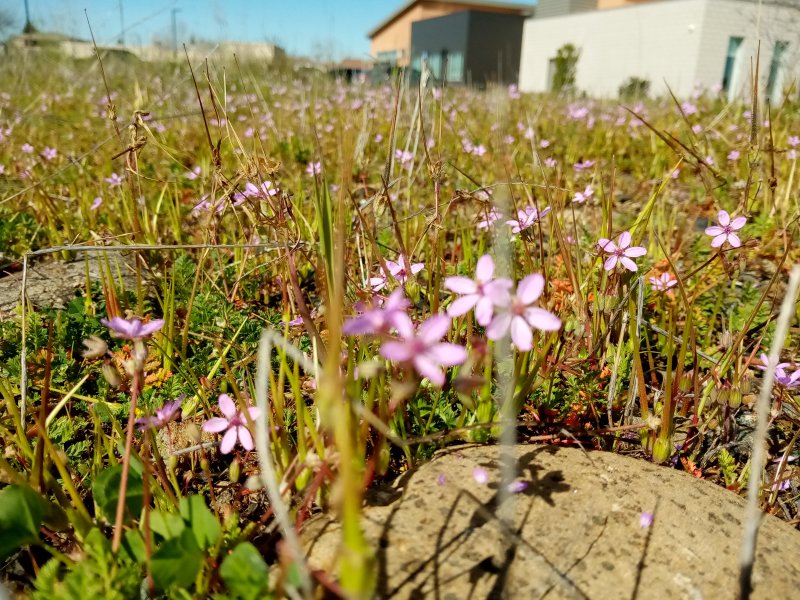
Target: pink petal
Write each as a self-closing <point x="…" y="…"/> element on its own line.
<point x="499" y="291"/>
<point x="434" y="328"/>
<point x="484" y="310"/>
<point x="463" y="305"/>
<point x="542" y="319"/>
<point x="606" y="245"/>
<point x="714" y="230"/>
<point x="461" y="285"/>
<point x="738" y="223"/>
<point x="734" y="240"/>
<point x="404" y="326"/>
<point x="521" y="334"/>
<point x="624" y="239"/>
<point x="447" y="354"/>
<point x="244" y="437"/>
<point x="215" y="425"/>
<point x="417" y="267"/>
<point x="484" y="269"/>
<point x="530" y="288"/>
<point x="610" y="263"/>
<point x="228" y="441"/>
<point x="635" y="251"/>
<point x="628" y="263"/>
<point x="227" y="406"/>
<point x="719" y="240"/>
<point x="151" y="327"/>
<point x="427" y="368"/>
<point x="499" y="326"/>
<point x="254" y="412"/>
<point x="724" y="218"/>
<point x="397" y="351"/>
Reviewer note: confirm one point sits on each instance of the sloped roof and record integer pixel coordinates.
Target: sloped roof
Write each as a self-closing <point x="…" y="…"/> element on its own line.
<point x="466" y="4"/>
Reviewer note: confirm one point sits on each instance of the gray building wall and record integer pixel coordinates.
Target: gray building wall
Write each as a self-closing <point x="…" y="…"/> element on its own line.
<point x="480" y="47"/>
<point x="557" y="8"/>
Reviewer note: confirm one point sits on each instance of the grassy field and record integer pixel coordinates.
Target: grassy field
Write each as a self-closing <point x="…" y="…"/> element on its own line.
<point x="332" y="281"/>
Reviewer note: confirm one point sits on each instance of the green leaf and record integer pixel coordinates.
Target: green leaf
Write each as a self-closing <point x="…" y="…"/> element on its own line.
<point x="200" y="520"/>
<point x="177" y="562"/>
<point x="245" y="573"/>
<point x="21" y="513"/>
<point x="166" y="524"/>
<point x="133" y="545"/>
<point x="106" y="492"/>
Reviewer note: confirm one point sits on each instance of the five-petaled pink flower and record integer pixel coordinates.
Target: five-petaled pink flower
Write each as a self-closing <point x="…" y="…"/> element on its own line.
<point x="165" y="414"/>
<point x="314" y="168"/>
<point x="483" y="293"/>
<point x="380" y="319"/>
<point x="521" y="316"/>
<point x="581" y="197"/>
<point x="782" y="377"/>
<point x="400" y="270"/>
<point x="621" y="252"/>
<point x="234" y="422"/>
<point x="724" y="232"/>
<point x="422" y="348"/>
<point x="663" y="283"/>
<point x="114" y="180"/>
<point x="488" y="219"/>
<point x="525" y="218"/>
<point x="133" y="329"/>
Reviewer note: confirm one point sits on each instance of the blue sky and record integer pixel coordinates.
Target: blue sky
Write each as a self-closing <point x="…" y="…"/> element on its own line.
<point x="333" y="27"/>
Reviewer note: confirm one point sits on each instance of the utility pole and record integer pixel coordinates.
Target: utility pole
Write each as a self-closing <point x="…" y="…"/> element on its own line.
<point x="175" y="11"/>
<point x="29" y="28"/>
<point x="121" y="39"/>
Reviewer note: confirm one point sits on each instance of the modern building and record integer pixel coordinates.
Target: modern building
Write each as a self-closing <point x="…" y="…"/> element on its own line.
<point x="673" y="44"/>
<point x="391" y="39"/>
<point x="469" y="47"/>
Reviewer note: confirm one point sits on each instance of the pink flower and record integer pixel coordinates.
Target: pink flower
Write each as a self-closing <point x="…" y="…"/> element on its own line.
<point x="314" y="168"/>
<point x="133" y="329"/>
<point x="479" y="150"/>
<point x="49" y="153"/>
<point x="404" y="156"/>
<point x="525" y="218"/>
<point x="489" y="218"/>
<point x="422" y="347"/>
<point x="725" y="230"/>
<point x="782" y="377"/>
<point x="583" y="165"/>
<point x="482" y="293"/>
<point x="114" y="180"/>
<point x="401" y="269"/>
<point x="620" y="252"/>
<point x="96" y="204"/>
<point x="663" y="283"/>
<point x="480" y="475"/>
<point x="165" y="414"/>
<point x="733" y="155"/>
<point x="583" y="196"/>
<point x="380" y="319"/>
<point x="521" y="316"/>
<point x="645" y="519"/>
<point x="27" y="148"/>
<point x="234" y="424"/>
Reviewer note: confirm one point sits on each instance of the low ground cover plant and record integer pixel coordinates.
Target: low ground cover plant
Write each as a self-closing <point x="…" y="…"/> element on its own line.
<point x="334" y="280"/>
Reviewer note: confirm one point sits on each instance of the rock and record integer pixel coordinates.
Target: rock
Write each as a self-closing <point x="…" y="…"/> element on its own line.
<point x="53" y="284"/>
<point x="575" y="532"/>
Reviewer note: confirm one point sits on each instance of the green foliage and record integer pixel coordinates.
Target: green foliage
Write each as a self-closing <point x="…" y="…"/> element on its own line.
<point x="565" y="65"/>
<point x="178" y="561"/>
<point x="245" y="574"/>
<point x="21" y="514"/>
<point x="634" y="88"/>
<point x="106" y="492"/>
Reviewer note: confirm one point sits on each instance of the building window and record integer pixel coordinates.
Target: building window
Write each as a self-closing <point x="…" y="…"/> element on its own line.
<point x="551" y="73"/>
<point x="731" y="63"/>
<point x="775" y="78"/>
<point x="455" y="67"/>
<point x="389" y="56"/>
<point x="435" y="65"/>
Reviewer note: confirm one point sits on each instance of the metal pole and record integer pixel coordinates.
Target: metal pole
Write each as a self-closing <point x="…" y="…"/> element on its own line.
<point x="175" y="11"/>
<point x="121" y="25"/>
<point x="28" y="25"/>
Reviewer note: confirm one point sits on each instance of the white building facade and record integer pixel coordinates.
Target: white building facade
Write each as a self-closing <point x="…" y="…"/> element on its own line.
<point x="675" y="44"/>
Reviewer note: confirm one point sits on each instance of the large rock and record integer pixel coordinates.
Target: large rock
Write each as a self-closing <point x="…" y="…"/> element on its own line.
<point x="575" y="532"/>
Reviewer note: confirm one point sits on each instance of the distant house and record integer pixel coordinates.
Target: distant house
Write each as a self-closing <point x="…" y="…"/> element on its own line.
<point x="391" y="39"/>
<point x="675" y="43"/>
<point x="470" y="46"/>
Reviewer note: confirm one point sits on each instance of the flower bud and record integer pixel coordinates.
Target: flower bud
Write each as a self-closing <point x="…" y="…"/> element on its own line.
<point x="95" y="348"/>
<point x="111" y="375"/>
<point x="234" y="471"/>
